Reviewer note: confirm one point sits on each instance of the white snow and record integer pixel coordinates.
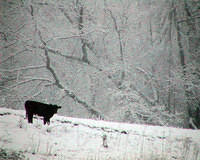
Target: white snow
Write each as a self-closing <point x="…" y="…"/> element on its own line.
<point x="82" y="139"/>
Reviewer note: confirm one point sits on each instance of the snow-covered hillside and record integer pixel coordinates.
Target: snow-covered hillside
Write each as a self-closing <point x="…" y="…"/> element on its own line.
<point x="83" y="139"/>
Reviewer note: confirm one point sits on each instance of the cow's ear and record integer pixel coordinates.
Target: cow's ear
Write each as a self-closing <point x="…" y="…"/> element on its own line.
<point x="59" y="107"/>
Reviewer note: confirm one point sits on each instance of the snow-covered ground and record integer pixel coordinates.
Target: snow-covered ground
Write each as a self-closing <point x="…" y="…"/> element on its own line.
<point x="82" y="139"/>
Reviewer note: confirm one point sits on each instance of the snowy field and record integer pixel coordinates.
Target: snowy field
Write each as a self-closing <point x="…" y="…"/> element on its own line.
<point x="83" y="139"/>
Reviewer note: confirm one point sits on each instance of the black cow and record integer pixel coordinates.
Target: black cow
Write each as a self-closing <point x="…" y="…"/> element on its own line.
<point x="37" y="108"/>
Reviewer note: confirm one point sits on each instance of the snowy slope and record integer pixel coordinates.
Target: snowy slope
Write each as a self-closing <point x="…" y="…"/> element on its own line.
<point x="82" y="139"/>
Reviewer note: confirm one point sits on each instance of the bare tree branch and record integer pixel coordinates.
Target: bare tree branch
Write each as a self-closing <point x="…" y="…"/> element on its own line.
<point x="66" y="15"/>
<point x="68" y="92"/>
<point x="150" y="102"/>
<point x="2" y="61"/>
<point x="4" y="36"/>
<point x="77" y="59"/>
<point x="22" y="68"/>
<point x="7" y="46"/>
<point x="152" y="81"/>
<point x="118" y="31"/>
<point x="188" y="19"/>
<point x="29" y="80"/>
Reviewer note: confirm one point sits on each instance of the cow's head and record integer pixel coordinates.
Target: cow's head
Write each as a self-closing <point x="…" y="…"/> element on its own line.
<point x="55" y="108"/>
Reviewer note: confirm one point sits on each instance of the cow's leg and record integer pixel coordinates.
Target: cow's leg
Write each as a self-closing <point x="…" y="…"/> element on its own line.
<point x="48" y="121"/>
<point x="45" y="120"/>
<point x="30" y="118"/>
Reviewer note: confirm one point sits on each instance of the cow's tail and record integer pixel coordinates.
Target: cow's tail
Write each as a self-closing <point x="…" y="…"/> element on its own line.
<point x="26" y="115"/>
<point x="25" y="106"/>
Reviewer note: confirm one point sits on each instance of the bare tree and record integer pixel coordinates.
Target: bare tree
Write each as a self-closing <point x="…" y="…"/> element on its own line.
<point x="190" y="63"/>
<point x="125" y="60"/>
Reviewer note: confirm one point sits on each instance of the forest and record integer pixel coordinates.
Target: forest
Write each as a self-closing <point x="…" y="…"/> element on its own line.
<point x="134" y="61"/>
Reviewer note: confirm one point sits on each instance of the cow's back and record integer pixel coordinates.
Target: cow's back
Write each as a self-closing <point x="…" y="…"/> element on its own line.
<point x="35" y="107"/>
